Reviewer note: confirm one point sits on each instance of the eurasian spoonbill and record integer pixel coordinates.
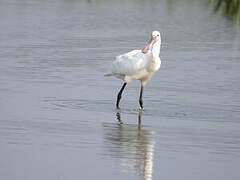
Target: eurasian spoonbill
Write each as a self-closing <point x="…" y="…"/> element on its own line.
<point x="138" y="65"/>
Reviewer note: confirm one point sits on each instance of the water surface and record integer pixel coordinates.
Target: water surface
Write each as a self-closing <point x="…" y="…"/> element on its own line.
<point x="57" y="111"/>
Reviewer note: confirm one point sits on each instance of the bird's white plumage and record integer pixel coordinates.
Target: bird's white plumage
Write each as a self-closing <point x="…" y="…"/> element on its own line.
<point x="138" y="64"/>
<point x="130" y="63"/>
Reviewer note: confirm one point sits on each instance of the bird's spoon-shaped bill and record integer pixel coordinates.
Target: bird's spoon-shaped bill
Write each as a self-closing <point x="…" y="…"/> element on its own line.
<point x="146" y="49"/>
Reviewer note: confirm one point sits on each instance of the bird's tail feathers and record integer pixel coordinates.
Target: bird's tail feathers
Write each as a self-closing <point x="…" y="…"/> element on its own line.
<point x="107" y="75"/>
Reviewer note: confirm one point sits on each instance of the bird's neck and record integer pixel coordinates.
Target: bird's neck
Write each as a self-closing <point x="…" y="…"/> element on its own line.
<point x="156" y="50"/>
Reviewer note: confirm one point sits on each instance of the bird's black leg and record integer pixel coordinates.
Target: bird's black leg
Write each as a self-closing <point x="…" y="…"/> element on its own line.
<point x="120" y="95"/>
<point x="140" y="97"/>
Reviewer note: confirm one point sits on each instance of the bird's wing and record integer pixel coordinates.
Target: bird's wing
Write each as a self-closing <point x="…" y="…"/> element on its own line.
<point x="131" y="62"/>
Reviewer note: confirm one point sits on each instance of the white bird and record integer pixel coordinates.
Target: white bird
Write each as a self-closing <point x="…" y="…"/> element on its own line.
<point x="138" y="65"/>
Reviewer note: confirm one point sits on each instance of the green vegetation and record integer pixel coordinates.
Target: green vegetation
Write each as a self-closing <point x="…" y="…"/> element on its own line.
<point x="229" y="8"/>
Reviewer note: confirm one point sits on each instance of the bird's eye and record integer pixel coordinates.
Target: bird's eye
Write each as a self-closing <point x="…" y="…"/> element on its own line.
<point x="158" y="35"/>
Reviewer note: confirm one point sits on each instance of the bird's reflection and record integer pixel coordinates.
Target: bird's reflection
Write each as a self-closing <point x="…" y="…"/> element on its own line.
<point x="132" y="144"/>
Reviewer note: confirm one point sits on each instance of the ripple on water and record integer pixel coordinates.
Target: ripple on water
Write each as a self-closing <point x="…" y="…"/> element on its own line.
<point x="71" y="133"/>
<point x="132" y="145"/>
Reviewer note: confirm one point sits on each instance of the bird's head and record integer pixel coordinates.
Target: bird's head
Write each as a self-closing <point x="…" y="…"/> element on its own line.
<point x="154" y="38"/>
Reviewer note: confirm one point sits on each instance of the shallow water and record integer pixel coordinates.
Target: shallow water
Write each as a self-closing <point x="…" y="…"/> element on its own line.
<point x="57" y="111"/>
